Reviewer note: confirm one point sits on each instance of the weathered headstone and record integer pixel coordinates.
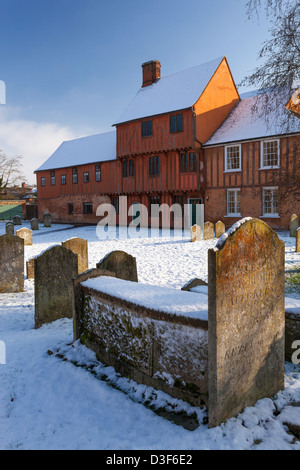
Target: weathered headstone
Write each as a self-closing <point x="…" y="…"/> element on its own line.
<point x="246" y="318"/>
<point x="120" y="263"/>
<point x="294" y="224"/>
<point x="195" y="233"/>
<point x="208" y="231"/>
<point x="12" y="263"/>
<point x="54" y="270"/>
<point x="77" y="297"/>
<point x="34" y="224"/>
<point x="79" y="246"/>
<point x="47" y="220"/>
<point x="10" y="228"/>
<point x="30" y="268"/>
<point x="26" y="234"/>
<point x="219" y="229"/>
<point x="17" y="220"/>
<point x="298" y="240"/>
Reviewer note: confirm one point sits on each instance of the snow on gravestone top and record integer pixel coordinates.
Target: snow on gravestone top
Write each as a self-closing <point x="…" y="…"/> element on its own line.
<point x="245" y="318"/>
<point x="162" y="299"/>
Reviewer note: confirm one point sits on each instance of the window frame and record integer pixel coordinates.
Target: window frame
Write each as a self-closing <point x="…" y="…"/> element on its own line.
<point x="128" y="168"/>
<point x="63" y="179"/>
<point x="52" y="178"/>
<point x="85" y="205"/>
<point x="70" y="205"/>
<point x="269" y="214"/>
<point x="175" y="128"/>
<point x="229" y="170"/>
<point x="43" y="181"/>
<point x="98" y="172"/>
<point x="86" y="177"/>
<point x="74" y="173"/>
<point x="146" y="128"/>
<point x="269" y="167"/>
<point x="235" y="191"/>
<point x="154" y="165"/>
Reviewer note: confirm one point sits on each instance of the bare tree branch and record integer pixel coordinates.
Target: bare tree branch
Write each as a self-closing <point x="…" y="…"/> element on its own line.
<point x="10" y="170"/>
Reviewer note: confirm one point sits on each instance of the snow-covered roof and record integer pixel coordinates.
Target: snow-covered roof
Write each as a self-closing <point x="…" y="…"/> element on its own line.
<point x="173" y="92"/>
<point x="91" y="149"/>
<point x="249" y="121"/>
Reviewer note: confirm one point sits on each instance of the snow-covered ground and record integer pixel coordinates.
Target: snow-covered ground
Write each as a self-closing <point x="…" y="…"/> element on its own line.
<point x="56" y="395"/>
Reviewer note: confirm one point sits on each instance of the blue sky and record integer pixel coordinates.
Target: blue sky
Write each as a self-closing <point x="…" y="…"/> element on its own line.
<point x="72" y="66"/>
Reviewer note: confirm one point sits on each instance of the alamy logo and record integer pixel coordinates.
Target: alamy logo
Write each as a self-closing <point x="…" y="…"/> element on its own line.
<point x="2" y="353"/>
<point x="296" y="354"/>
<point x="2" y="92"/>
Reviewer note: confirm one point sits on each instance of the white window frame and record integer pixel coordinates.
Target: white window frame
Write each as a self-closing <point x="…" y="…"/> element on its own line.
<point x="236" y="191"/>
<point x="226" y="158"/>
<point x="268" y="215"/>
<point x="266" y="167"/>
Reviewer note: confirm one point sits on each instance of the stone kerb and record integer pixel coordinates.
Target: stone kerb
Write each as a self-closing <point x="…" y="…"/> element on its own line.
<point x="219" y="229"/>
<point x="26" y="234"/>
<point x="12" y="264"/>
<point x="120" y="263"/>
<point x="195" y="233"/>
<point x="294" y="224"/>
<point x="53" y="271"/>
<point x="79" y="246"/>
<point x="208" y="231"/>
<point x="246" y="318"/>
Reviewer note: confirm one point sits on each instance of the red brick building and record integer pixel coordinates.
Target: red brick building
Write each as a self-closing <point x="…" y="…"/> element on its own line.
<point x="185" y="138"/>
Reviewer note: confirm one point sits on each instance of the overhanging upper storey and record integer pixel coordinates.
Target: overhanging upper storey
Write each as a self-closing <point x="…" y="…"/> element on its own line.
<point x="176" y="111"/>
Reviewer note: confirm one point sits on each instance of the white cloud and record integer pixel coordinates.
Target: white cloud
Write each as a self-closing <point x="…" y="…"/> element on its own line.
<point x="34" y="141"/>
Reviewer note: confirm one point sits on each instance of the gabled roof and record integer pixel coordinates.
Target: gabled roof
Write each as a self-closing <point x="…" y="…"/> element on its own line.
<point x="91" y="149"/>
<point x="171" y="93"/>
<point x="248" y="121"/>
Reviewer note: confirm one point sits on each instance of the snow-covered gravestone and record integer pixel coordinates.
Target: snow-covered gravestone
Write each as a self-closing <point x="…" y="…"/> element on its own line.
<point x="294" y="224"/>
<point x="26" y="234"/>
<point x="246" y="318"/>
<point x="195" y="233"/>
<point x="53" y="272"/>
<point x="219" y="229"/>
<point x="121" y="264"/>
<point x="10" y="228"/>
<point x="17" y="220"/>
<point x="34" y="224"/>
<point x="79" y="246"/>
<point x="30" y="268"/>
<point x="208" y="230"/>
<point x="298" y="240"/>
<point x="11" y="263"/>
<point x="47" y="220"/>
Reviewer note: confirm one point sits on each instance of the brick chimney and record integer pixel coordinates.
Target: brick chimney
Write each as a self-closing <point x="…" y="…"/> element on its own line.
<point x="151" y="72"/>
